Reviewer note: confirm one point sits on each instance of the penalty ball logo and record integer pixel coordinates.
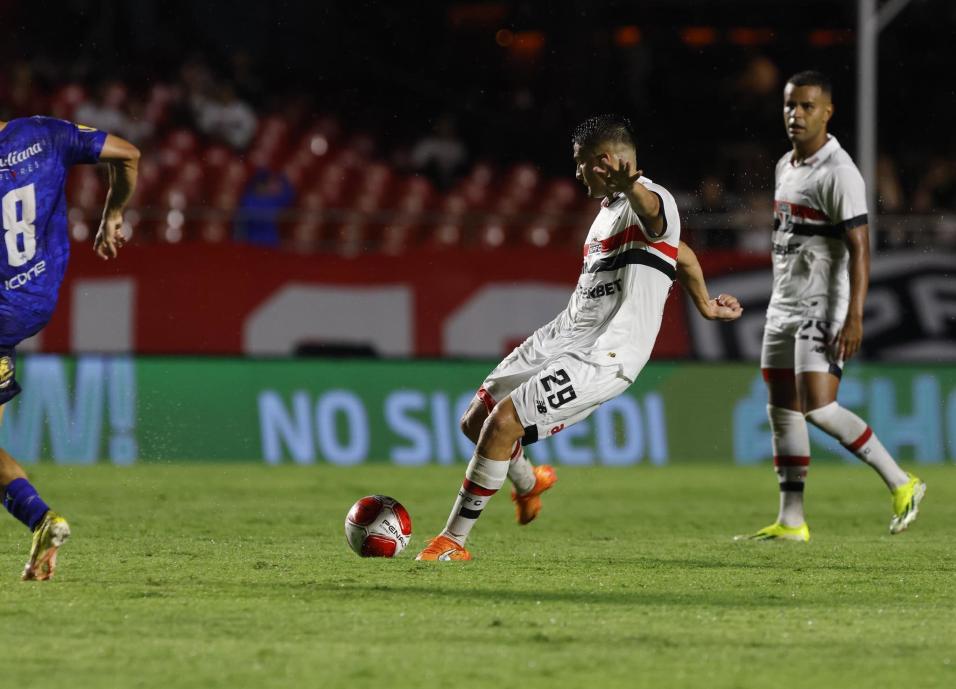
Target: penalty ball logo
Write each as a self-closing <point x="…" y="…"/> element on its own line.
<point x="378" y="526"/>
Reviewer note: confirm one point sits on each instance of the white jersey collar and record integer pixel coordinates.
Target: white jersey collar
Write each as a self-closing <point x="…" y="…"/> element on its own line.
<point x="606" y="203"/>
<point x="826" y="150"/>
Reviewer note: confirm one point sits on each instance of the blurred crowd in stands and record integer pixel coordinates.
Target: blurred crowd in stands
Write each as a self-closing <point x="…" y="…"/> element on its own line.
<point x="224" y="159"/>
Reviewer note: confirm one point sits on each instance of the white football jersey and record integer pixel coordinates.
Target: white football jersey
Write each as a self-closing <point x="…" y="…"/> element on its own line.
<point x="815" y="203"/>
<point x="615" y="312"/>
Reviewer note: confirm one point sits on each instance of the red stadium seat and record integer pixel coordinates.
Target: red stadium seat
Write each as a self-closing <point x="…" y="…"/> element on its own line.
<point x="521" y="176"/>
<point x="305" y="233"/>
<point x="541" y="231"/>
<point x="214" y="231"/>
<point x="214" y="158"/>
<point x="397" y="238"/>
<point x="183" y="140"/>
<point x="493" y="232"/>
<point x="448" y="233"/>
<point x="560" y="194"/>
<point x="351" y="239"/>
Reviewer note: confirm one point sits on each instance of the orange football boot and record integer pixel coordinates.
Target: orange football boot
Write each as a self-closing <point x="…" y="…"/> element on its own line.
<point x="528" y="505"/>
<point x="443" y="548"/>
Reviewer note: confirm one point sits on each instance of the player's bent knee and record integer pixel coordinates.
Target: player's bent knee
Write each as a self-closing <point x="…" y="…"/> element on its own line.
<point x="470" y="425"/>
<point x="503" y="422"/>
<point x="473" y="419"/>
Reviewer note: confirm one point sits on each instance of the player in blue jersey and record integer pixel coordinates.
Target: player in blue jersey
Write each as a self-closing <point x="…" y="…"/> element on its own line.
<point x="35" y="155"/>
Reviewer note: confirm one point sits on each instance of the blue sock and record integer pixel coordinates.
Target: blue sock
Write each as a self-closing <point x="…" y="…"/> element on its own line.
<point x="23" y="502"/>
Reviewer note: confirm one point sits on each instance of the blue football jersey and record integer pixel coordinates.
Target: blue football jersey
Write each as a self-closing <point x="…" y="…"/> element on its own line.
<point x="35" y="154"/>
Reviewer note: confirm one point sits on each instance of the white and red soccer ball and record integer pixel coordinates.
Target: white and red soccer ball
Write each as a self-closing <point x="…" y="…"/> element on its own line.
<point x="378" y="526"/>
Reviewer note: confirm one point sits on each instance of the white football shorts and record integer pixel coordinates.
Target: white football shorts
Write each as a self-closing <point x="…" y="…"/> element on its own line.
<point x="551" y="393"/>
<point x="801" y="345"/>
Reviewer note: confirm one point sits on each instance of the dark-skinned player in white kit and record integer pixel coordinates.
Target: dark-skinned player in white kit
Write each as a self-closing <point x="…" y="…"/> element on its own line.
<point x="821" y="269"/>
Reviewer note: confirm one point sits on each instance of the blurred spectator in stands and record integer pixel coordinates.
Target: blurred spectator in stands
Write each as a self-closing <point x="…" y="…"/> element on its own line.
<point x="105" y="110"/>
<point x="937" y="188"/>
<point x="441" y="154"/>
<point x="140" y="126"/>
<point x="225" y="116"/>
<point x="889" y="189"/>
<point x="257" y="215"/>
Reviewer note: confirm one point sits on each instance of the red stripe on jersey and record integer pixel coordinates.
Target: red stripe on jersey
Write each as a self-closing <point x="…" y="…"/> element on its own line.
<point x="798" y="211"/>
<point x="632" y="234"/>
<point x="770" y="374"/>
<point x="486" y="399"/>
<point x="861" y="441"/>
<point x="668" y="250"/>
<point x="790" y="461"/>
<point x="475" y="489"/>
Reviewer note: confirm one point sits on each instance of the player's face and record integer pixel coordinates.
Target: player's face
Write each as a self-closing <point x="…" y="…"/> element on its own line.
<point x="585" y="160"/>
<point x="806" y="111"/>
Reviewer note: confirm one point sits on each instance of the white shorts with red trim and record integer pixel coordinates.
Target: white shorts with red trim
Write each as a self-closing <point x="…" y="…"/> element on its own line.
<point x="553" y="393"/>
<point x="800" y="346"/>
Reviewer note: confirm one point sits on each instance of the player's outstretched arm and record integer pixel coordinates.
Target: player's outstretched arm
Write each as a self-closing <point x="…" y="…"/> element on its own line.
<point x="122" y="159"/>
<point x="724" y="307"/>
<point x="851" y="335"/>
<point x="618" y="178"/>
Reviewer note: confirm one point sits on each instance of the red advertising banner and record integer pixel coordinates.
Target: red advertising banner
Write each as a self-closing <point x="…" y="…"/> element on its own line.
<point x="235" y="299"/>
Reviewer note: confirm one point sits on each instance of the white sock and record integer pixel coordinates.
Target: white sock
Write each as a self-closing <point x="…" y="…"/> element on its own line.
<point x="791" y="457"/>
<point x="858" y="438"/>
<point x="521" y="470"/>
<point x="483" y="478"/>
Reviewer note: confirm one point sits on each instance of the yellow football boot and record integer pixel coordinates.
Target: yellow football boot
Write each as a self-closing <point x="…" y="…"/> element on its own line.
<point x="906" y="500"/>
<point x="778" y="532"/>
<point x="48" y="536"/>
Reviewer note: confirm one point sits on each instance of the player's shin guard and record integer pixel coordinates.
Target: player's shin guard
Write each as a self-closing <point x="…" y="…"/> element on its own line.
<point x="858" y="438"/>
<point x="520" y="470"/>
<point x="483" y="478"/>
<point x="791" y="457"/>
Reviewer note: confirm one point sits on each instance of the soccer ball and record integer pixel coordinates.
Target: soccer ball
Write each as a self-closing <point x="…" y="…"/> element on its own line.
<point x="378" y="526"/>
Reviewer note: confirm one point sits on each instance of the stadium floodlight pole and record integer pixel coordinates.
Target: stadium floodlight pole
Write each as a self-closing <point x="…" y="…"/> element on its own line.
<point x="871" y="19"/>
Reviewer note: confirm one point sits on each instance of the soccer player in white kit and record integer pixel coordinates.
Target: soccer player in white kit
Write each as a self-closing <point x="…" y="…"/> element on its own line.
<point x="594" y="349"/>
<point x="821" y="266"/>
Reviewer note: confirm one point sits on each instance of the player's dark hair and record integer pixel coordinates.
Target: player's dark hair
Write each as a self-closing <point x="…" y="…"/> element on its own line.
<point x="812" y="78"/>
<point x="599" y="129"/>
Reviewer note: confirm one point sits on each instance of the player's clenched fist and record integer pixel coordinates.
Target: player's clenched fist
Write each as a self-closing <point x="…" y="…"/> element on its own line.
<point x="725" y="307"/>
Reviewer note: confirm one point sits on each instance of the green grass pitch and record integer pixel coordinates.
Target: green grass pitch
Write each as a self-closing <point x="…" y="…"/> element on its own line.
<point x="239" y="576"/>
